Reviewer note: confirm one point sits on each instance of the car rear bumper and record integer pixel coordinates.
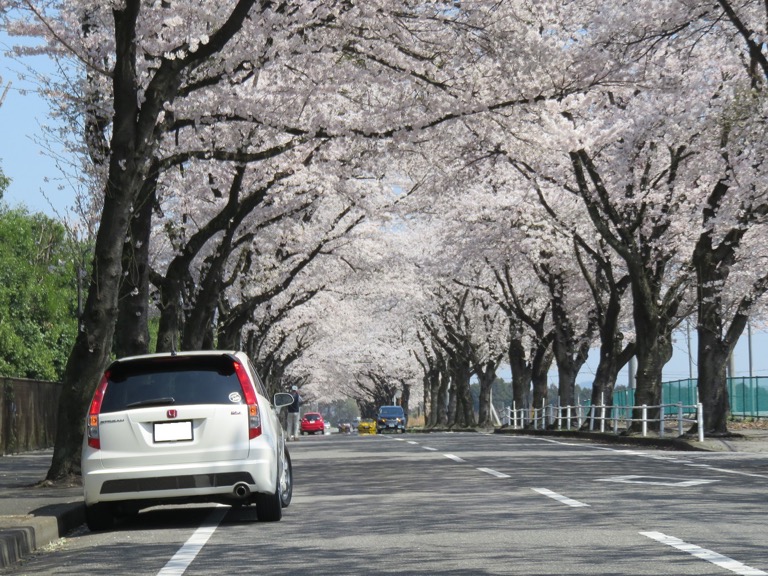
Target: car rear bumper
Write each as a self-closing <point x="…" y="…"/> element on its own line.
<point x="216" y="480"/>
<point x="394" y="428"/>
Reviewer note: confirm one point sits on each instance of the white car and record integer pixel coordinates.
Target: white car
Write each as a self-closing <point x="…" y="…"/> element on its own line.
<point x="184" y="427"/>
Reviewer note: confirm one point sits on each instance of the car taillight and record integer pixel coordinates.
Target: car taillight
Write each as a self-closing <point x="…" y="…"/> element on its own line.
<point x="254" y="417"/>
<point x="92" y="421"/>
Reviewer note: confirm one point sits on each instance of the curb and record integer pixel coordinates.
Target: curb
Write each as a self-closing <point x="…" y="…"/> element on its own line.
<point x="22" y="535"/>
<point x="675" y="443"/>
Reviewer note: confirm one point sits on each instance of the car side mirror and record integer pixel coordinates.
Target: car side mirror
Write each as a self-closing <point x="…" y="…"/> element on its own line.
<point x="282" y="399"/>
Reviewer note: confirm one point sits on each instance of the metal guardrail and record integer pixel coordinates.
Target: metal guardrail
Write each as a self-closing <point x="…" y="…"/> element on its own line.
<point x="619" y="420"/>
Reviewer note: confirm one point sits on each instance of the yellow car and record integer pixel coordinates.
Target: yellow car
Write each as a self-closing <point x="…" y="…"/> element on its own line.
<point x="367" y="426"/>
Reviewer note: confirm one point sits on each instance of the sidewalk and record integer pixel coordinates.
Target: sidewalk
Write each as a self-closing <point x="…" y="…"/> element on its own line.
<point x="33" y="514"/>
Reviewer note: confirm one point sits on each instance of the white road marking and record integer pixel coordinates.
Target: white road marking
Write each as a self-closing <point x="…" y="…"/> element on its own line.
<point x="704" y="554"/>
<point x="494" y="472"/>
<point x="187" y="553"/>
<point x="429" y="448"/>
<point x="560" y="498"/>
<point x="454" y="458"/>
<point x="657" y="457"/>
<point x="412" y="442"/>
<point x="737" y="472"/>
<point x="655" y="481"/>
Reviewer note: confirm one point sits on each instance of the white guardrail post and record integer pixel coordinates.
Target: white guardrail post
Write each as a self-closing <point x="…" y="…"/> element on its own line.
<point x="661" y="421"/>
<point x="645" y="420"/>
<point x="602" y="418"/>
<point x="700" y="420"/>
<point x="679" y="418"/>
<point x="514" y="415"/>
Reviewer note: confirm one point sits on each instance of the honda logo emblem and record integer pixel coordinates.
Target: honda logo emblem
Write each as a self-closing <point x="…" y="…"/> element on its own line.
<point x="172" y="413"/>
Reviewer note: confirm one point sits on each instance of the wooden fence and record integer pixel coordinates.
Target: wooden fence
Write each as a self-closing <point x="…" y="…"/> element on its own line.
<point x="28" y="410"/>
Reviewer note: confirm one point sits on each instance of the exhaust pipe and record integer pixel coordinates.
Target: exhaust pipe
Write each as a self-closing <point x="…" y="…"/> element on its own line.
<point x="241" y="490"/>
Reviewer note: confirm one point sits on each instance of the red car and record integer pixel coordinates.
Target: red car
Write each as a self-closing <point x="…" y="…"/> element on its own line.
<point x="312" y="422"/>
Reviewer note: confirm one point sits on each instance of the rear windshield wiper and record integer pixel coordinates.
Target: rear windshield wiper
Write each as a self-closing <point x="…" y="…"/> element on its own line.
<point x="152" y="402"/>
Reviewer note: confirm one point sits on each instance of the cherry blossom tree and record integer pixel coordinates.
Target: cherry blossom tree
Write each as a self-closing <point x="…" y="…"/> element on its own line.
<point x="238" y="151"/>
<point x="719" y="47"/>
<point x="142" y="84"/>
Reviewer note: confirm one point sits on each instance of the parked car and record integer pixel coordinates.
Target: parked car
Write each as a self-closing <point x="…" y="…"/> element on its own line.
<point x="390" y="419"/>
<point x="183" y="427"/>
<point x="312" y="423"/>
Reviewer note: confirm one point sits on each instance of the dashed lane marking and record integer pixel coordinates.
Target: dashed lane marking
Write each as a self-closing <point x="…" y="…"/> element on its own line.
<point x="561" y="498"/>
<point x="493" y="472"/>
<point x="704" y="554"/>
<point x="654" y="480"/>
<point x="454" y="458"/>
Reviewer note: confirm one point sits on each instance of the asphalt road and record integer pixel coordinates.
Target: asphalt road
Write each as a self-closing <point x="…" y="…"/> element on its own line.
<point x="459" y="504"/>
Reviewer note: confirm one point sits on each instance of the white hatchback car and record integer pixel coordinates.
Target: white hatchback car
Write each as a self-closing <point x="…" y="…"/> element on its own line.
<point x="184" y="427"/>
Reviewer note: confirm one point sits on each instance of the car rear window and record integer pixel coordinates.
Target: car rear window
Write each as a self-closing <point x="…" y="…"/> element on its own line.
<point x="311" y="417"/>
<point x="395" y="412"/>
<point x="172" y="381"/>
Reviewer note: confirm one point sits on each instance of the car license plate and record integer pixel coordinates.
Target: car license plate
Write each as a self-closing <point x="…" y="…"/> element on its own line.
<point x="172" y="431"/>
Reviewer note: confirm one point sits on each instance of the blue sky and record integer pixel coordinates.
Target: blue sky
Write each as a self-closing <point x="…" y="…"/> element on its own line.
<point x="35" y="183"/>
<point x="34" y="175"/>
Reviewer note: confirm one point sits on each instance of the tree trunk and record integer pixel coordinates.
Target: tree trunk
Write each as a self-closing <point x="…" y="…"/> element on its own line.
<point x="716" y="341"/>
<point x="610" y="364"/>
<point x="132" y="331"/>
<point x="654" y="349"/>
<point x="566" y="381"/>
<point x="713" y="355"/>
<point x="441" y="402"/>
<point x="93" y="345"/>
<point x="522" y="373"/>
<point x="405" y="398"/>
<point x="467" y="415"/>
<point x="198" y="325"/>
<point x="169" y="327"/>
<point x="613" y="354"/>
<point x="570" y="352"/>
<point x="452" y="400"/>
<point x="431" y="392"/>
<point x="542" y="360"/>
<point x="486" y="377"/>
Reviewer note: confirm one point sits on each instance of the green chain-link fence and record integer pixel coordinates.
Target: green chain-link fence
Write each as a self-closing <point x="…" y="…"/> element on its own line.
<point x="748" y="396"/>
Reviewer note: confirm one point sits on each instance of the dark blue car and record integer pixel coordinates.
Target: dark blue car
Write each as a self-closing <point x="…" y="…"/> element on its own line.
<point x="390" y="419"/>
